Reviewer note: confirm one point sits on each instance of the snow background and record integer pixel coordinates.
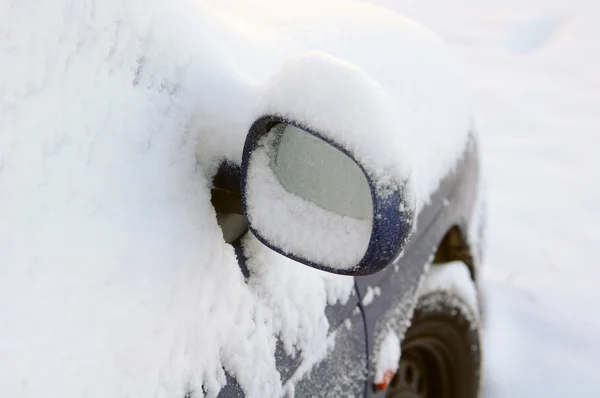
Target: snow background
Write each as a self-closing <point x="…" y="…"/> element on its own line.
<point x="534" y="66"/>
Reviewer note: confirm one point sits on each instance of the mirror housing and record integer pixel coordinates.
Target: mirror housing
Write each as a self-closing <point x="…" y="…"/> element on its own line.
<point x="361" y="244"/>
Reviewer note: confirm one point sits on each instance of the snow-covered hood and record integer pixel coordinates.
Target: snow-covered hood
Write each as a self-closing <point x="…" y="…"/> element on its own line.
<point x="114" y="277"/>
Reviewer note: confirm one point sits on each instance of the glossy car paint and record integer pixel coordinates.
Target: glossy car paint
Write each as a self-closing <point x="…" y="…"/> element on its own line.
<point x="349" y="367"/>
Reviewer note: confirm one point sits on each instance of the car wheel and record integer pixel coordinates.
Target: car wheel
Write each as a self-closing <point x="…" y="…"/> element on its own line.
<point x="441" y="354"/>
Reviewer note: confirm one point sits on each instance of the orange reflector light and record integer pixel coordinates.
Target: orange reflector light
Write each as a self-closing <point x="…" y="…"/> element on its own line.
<point x="387" y="378"/>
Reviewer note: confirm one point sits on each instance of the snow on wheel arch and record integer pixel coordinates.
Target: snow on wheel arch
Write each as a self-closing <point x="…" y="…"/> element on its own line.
<point x="453" y="278"/>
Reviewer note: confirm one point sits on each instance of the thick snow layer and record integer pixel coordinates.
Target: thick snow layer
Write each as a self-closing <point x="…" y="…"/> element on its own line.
<point x="534" y="67"/>
<point x="389" y="357"/>
<point x="419" y="114"/>
<point x="115" y="280"/>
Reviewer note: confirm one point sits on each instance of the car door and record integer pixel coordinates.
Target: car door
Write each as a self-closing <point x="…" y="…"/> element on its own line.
<point x="389" y="296"/>
<point x="341" y="370"/>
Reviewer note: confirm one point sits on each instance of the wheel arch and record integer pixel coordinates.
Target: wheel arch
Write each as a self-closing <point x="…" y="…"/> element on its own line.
<point x="454" y="246"/>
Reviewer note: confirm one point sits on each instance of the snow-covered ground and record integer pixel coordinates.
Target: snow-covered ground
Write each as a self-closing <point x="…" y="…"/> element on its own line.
<point x="535" y="70"/>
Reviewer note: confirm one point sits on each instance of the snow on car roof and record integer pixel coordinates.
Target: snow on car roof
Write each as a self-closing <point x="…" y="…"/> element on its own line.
<point x="115" y="279"/>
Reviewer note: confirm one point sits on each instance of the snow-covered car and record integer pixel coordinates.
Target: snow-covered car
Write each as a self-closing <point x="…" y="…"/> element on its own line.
<point x="230" y="198"/>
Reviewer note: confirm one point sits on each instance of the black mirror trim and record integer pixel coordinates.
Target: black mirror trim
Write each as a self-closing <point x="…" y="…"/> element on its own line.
<point x="393" y="219"/>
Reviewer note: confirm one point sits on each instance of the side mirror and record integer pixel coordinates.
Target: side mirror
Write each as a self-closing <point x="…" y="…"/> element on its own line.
<point x="310" y="199"/>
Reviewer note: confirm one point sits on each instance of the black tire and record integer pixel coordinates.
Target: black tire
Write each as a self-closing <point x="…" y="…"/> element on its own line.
<point x="441" y="352"/>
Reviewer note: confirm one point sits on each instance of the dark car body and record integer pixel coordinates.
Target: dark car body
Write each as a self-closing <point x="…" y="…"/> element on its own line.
<point x="358" y="326"/>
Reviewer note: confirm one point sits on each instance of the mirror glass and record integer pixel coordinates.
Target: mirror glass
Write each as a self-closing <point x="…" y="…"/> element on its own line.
<point x="308" y="200"/>
<point x="316" y="171"/>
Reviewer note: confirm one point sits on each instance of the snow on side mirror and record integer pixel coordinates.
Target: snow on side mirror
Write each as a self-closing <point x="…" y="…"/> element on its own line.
<point x="309" y="199"/>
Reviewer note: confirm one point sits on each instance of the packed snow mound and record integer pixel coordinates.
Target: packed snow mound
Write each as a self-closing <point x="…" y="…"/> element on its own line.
<point x="114" y="277"/>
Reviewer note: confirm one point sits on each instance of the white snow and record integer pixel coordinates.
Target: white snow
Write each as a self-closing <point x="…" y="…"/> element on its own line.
<point x="534" y="67"/>
<point x="310" y="360"/>
<point x="451" y="277"/>
<point x="389" y="357"/>
<point x="348" y="323"/>
<point x="413" y="107"/>
<point x="370" y="294"/>
<point x="115" y="279"/>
